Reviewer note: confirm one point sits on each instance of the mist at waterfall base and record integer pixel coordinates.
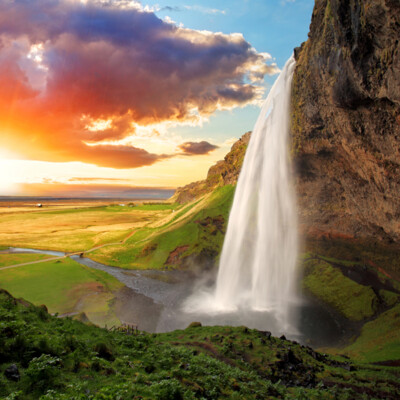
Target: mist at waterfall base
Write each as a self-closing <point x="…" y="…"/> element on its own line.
<point x="257" y="279"/>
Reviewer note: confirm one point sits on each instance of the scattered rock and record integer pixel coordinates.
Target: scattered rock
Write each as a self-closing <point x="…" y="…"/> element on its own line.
<point x="267" y="334"/>
<point x="174" y="257"/>
<point x="194" y="325"/>
<point x="12" y="373"/>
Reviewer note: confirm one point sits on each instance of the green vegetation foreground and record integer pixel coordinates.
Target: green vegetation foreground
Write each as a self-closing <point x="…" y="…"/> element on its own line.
<point x="43" y="357"/>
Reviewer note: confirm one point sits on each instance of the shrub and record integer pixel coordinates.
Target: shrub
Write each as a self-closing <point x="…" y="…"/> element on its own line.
<point x="167" y="390"/>
<point x="42" y="371"/>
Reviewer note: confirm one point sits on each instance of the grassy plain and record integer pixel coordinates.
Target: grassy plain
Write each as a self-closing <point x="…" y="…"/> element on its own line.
<point x="75" y="228"/>
<point x="140" y="236"/>
<point x="167" y="236"/>
<point x="64" y="286"/>
<point x="13" y="259"/>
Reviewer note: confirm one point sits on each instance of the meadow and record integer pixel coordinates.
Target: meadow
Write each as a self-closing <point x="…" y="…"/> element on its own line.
<point x="141" y="235"/>
<point x="167" y="236"/>
<point x="74" y="227"/>
<point x="63" y="285"/>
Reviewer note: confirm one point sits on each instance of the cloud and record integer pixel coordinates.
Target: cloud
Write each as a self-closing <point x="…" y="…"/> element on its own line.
<point x="205" y="10"/>
<point x="171" y="9"/>
<point x="197" y="148"/>
<point x="75" y="74"/>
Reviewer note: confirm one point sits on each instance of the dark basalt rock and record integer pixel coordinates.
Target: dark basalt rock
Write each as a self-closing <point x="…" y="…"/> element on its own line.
<point x="266" y="334"/>
<point x="12" y="373"/>
<point x="346" y="121"/>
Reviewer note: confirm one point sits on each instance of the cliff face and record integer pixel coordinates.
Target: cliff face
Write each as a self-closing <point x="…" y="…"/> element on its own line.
<point x="346" y="120"/>
<point x="224" y="172"/>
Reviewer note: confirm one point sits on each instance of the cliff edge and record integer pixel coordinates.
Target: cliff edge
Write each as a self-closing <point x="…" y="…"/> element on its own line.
<point x="346" y="121"/>
<point x="224" y="172"/>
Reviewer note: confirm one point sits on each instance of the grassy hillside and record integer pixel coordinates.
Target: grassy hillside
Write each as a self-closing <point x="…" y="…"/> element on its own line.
<point x="192" y="233"/>
<point x="49" y="358"/>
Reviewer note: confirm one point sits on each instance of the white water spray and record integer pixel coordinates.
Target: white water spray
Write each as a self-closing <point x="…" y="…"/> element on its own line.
<point x="257" y="269"/>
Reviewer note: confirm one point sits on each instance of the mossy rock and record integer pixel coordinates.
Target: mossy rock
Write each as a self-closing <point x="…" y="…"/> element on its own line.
<point x="194" y="325"/>
<point x="389" y="298"/>
<point x="355" y="302"/>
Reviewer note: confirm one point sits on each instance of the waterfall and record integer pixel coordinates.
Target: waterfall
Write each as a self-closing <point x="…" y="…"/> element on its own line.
<point x="257" y="270"/>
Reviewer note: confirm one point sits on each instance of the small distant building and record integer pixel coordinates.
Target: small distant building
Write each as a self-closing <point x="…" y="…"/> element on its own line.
<point x="39" y="205"/>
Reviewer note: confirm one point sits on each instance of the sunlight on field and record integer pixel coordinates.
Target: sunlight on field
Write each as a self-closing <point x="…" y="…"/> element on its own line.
<point x="75" y="228"/>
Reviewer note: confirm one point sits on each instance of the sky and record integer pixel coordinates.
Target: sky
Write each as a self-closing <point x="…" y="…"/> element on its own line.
<point x="119" y="97"/>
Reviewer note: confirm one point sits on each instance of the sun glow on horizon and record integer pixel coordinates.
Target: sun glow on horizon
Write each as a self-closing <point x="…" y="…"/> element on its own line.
<point x="8" y="184"/>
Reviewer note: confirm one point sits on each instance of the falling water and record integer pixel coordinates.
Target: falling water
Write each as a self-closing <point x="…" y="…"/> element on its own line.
<point x="258" y="261"/>
<point x="257" y="269"/>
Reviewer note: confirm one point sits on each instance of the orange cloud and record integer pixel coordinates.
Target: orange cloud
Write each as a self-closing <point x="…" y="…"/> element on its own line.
<point x="65" y="66"/>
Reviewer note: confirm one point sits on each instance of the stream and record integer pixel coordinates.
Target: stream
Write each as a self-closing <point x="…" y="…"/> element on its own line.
<point x="153" y="300"/>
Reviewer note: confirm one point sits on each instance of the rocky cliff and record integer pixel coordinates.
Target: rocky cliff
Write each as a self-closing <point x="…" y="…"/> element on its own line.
<point x="346" y="121"/>
<point x="224" y="172"/>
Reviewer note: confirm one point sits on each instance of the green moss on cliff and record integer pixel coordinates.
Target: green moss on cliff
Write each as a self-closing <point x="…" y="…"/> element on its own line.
<point x="379" y="339"/>
<point x="356" y="302"/>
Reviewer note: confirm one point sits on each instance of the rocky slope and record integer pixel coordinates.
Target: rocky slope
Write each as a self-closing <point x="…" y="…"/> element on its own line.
<point x="224" y="172"/>
<point x="346" y="121"/>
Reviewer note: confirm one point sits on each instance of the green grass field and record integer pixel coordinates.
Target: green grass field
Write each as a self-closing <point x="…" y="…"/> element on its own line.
<point x="190" y="230"/>
<point x="64" y="286"/>
<point x="13" y="259"/>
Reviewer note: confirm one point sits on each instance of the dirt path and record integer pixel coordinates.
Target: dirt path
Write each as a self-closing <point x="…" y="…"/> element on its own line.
<point x="123" y="241"/>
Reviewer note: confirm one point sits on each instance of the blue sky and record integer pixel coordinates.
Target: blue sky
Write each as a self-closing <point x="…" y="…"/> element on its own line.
<point x="272" y="26"/>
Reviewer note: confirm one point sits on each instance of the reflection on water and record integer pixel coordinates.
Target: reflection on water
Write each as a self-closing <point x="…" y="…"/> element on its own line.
<point x="22" y="250"/>
<point x="153" y="300"/>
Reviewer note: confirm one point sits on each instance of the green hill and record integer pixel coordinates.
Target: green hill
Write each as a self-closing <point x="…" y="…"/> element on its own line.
<point x="44" y="357"/>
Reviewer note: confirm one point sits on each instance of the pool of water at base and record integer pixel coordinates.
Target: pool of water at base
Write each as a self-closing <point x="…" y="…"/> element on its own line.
<point x="153" y="299"/>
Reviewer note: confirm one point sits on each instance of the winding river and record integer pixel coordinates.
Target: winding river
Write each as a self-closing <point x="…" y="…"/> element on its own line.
<point x="153" y="300"/>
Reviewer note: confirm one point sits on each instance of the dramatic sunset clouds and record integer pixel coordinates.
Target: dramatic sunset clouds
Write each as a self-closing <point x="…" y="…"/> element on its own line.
<point x="79" y="78"/>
